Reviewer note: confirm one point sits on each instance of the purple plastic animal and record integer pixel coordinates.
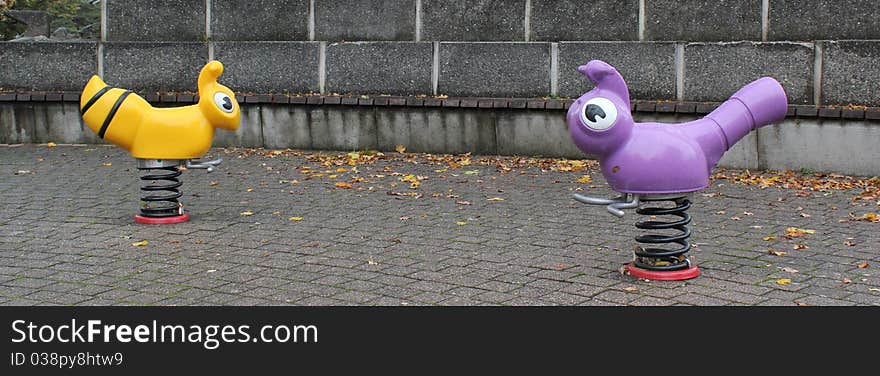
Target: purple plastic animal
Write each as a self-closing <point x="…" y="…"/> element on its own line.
<point x="653" y="162"/>
<point x="658" y="158"/>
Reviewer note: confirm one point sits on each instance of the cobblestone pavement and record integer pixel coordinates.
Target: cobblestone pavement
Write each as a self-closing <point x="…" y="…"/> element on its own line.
<point x="67" y="234"/>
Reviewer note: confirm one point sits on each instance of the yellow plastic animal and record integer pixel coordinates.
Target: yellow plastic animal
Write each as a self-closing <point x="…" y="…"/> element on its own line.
<point x="127" y="120"/>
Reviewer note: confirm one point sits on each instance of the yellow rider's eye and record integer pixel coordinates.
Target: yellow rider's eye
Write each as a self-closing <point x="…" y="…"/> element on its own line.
<point x="223" y="102"/>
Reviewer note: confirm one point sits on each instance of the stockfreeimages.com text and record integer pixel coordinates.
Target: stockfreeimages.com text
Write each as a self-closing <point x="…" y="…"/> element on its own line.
<point x="210" y="336"/>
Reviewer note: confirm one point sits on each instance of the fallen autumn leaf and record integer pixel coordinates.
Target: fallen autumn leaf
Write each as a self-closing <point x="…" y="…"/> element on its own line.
<point x="794" y="232"/>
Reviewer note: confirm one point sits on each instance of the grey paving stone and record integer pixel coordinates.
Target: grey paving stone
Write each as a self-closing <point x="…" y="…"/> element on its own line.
<point x="652" y="301"/>
<point x="824" y="301"/>
<point x="495" y="298"/>
<point x="696" y="299"/>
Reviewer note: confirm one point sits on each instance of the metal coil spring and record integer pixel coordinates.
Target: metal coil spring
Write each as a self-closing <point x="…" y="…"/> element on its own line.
<point x="661" y="259"/>
<point x="157" y="205"/>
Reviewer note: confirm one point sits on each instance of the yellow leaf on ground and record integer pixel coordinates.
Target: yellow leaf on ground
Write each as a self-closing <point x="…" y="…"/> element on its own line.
<point x="296" y="219"/>
<point x="770" y="237"/>
<point x="585" y="179"/>
<point x="140" y="243"/>
<point x="341" y="169"/>
<point x="107" y="164"/>
<point x="461" y="223"/>
<point x="472" y="172"/>
<point x="870" y="217"/>
<point x="400" y="148"/>
<point x="412" y="180"/>
<point x="495" y="199"/>
<point x="343" y="185"/>
<point x="777" y="253"/>
<point x="51" y="145"/>
<point x="864" y="265"/>
<point x="800" y="246"/>
<point x="246" y="213"/>
<point x="783" y="281"/>
<point x="794" y="232"/>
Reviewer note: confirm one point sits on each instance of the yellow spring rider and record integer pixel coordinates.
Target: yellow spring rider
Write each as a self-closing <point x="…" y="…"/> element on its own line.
<point x="164" y="140"/>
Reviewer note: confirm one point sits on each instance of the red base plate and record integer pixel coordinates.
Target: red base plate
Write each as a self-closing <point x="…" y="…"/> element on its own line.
<point x="675" y="275"/>
<point x="161" y="221"/>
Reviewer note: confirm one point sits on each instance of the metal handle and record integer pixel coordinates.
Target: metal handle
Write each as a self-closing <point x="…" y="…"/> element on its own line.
<point x="613" y="205"/>
<point x="208" y="165"/>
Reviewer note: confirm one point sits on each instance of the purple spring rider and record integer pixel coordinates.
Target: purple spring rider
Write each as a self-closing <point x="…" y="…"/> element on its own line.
<point x="651" y="162"/>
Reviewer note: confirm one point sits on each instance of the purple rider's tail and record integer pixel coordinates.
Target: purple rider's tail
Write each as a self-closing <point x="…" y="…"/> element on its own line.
<point x="755" y="105"/>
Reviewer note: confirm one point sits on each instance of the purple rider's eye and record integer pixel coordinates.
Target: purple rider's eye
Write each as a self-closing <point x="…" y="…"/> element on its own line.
<point x="599" y="114"/>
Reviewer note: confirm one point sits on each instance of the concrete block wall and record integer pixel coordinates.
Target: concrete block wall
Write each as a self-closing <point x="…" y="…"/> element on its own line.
<point x="673" y="51"/>
<point x="688" y="50"/>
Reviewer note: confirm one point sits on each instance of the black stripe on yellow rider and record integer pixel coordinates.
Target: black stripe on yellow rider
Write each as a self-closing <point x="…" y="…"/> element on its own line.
<point x="112" y="113"/>
<point x="93" y="100"/>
